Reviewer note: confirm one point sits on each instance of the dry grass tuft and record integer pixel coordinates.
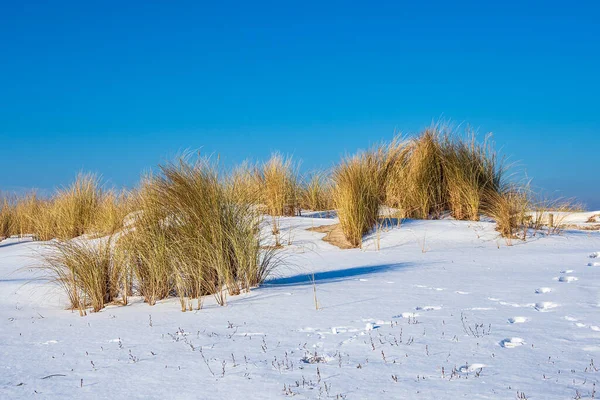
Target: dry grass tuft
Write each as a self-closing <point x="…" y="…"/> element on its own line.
<point x="279" y="187"/>
<point x="358" y="191"/>
<point x="7" y="218"/>
<point x="471" y="170"/>
<point x="551" y="214"/>
<point x="111" y="210"/>
<point x="79" y="208"/>
<point x="75" y="207"/>
<point x="508" y="208"/>
<point x="193" y="237"/>
<point x="26" y="213"/>
<point x="415" y="184"/>
<point x="245" y="184"/>
<point x="317" y="193"/>
<point x="87" y="271"/>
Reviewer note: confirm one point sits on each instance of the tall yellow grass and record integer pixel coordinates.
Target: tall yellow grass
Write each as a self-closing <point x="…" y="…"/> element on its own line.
<point x="358" y="190"/>
<point x="193" y="237"/>
<point x="316" y="192"/>
<point x="87" y="271"/>
<point x="82" y="207"/>
<point x="279" y="187"/>
<point x="193" y="231"/>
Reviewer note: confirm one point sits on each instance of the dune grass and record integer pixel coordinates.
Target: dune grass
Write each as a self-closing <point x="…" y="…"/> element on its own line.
<point x="279" y="187"/>
<point x="193" y="237"/>
<point x="82" y="207"/>
<point x="508" y="207"/>
<point x="189" y="236"/>
<point x="316" y="192"/>
<point x="192" y="231"/>
<point x="471" y="171"/>
<point x="358" y="190"/>
<point x="244" y="183"/>
<point x="110" y="212"/>
<point x="415" y="184"/>
<point x="76" y="205"/>
<point x="7" y="217"/>
<point x="88" y="272"/>
<point x="437" y="173"/>
<point x="550" y="213"/>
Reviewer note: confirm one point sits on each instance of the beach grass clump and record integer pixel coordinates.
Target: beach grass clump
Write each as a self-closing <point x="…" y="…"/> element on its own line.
<point x="471" y="170"/>
<point x="75" y="206"/>
<point x="279" y="186"/>
<point x="80" y="208"/>
<point x="7" y="217"/>
<point x="26" y="213"/>
<point x="358" y="190"/>
<point x="508" y="208"/>
<point x="188" y="236"/>
<point x="415" y="184"/>
<point x="88" y="271"/>
<point x="316" y="192"/>
<point x="442" y="172"/>
<point x="551" y="214"/>
<point x="109" y="215"/>
<point x="244" y="183"/>
<point x="193" y="237"/>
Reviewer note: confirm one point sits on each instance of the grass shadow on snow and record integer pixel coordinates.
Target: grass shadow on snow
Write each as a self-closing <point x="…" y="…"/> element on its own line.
<point x="3" y="245"/>
<point x="333" y="276"/>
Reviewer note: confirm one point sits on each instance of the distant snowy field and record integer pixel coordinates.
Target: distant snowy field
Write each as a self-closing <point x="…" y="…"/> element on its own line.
<point x="444" y="310"/>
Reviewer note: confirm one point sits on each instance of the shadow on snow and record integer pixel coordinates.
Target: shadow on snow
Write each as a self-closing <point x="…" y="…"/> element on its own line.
<point x="333" y="276"/>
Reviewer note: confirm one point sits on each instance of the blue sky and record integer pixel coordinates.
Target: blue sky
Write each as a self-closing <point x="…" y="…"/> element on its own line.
<point x="118" y="87"/>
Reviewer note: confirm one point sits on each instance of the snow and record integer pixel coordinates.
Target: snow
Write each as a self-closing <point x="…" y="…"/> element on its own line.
<point x="445" y="309"/>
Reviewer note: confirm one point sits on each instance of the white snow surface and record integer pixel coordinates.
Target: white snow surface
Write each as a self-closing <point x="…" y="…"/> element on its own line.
<point x="444" y="310"/>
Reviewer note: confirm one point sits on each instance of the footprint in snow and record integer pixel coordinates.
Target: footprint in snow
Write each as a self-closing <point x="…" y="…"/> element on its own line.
<point x="595" y="328"/>
<point x="518" y="320"/>
<point x="439" y="289"/>
<point x="471" y="368"/>
<point x="407" y="315"/>
<point x="567" y="271"/>
<point x="543" y="290"/>
<point x="544" y="306"/>
<point x="594" y="264"/>
<point x="567" y="279"/>
<point x="504" y="303"/>
<point x="370" y="326"/>
<point x="349" y="340"/>
<point x="428" y="308"/>
<point x="461" y="292"/>
<point x="595" y="254"/>
<point x="339" y="329"/>
<point x="511" y="343"/>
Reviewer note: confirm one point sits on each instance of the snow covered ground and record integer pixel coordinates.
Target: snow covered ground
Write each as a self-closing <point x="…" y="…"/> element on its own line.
<point x="443" y="310"/>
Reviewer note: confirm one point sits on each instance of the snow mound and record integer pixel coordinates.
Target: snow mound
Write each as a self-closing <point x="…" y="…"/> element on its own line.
<point x="518" y="320"/>
<point x="511" y="343"/>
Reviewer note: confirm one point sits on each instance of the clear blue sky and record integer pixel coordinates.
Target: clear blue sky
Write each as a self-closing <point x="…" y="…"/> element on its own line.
<point x="117" y="87"/>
